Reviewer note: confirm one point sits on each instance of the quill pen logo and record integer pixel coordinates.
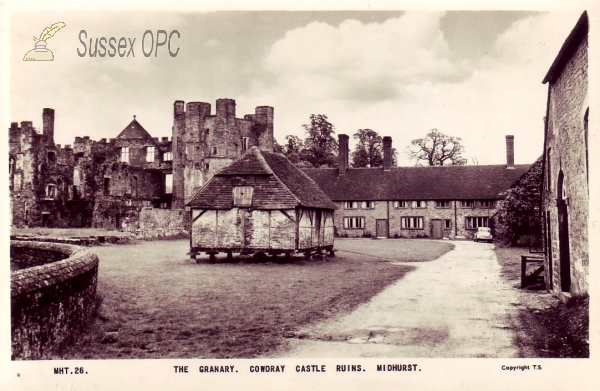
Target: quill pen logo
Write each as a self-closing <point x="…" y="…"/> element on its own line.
<point x="40" y="53"/>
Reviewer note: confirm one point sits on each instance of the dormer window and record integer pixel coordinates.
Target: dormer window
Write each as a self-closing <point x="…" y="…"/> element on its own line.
<point x="242" y="195"/>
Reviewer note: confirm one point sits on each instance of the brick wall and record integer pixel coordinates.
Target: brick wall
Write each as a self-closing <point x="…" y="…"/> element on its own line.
<point x="50" y="302"/>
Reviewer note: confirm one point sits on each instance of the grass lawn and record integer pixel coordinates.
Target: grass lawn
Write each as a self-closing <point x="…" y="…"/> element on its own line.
<point x="157" y="304"/>
<point x="546" y="327"/>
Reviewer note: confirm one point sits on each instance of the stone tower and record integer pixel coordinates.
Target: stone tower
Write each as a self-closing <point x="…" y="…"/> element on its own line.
<point x="204" y="143"/>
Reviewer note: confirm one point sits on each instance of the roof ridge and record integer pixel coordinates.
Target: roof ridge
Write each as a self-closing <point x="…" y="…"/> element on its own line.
<point x="279" y="179"/>
<point x="262" y="160"/>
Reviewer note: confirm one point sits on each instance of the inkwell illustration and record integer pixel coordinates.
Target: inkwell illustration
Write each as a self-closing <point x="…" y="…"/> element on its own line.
<point x="40" y="53"/>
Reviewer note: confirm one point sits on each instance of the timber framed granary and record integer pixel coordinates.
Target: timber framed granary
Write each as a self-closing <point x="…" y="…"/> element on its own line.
<point x="565" y="189"/>
<point x="260" y="203"/>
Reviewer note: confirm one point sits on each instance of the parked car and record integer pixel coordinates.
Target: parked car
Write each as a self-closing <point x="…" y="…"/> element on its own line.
<point x="483" y="234"/>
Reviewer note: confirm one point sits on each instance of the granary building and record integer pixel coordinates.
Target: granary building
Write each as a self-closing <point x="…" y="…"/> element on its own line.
<point x="415" y="202"/>
<point x="261" y="203"/>
<point x="565" y="193"/>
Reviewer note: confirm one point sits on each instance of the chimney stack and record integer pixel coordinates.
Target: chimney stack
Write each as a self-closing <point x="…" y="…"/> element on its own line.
<point x="510" y="152"/>
<point x="48" y="125"/>
<point x="343" y="154"/>
<point x="387" y="153"/>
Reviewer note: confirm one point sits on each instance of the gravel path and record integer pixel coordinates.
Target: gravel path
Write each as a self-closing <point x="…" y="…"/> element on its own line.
<point x="454" y="306"/>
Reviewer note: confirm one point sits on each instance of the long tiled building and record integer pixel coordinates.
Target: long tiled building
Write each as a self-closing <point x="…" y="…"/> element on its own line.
<point x="413" y="202"/>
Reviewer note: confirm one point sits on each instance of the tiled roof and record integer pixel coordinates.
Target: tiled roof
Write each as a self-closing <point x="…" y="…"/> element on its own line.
<point x="277" y="184"/>
<point x="417" y="183"/>
<point x="134" y="130"/>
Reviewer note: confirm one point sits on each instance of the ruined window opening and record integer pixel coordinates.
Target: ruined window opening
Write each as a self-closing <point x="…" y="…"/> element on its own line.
<point x="419" y="204"/>
<point x="412" y="223"/>
<point x="467" y="203"/>
<point x="150" y="154"/>
<point x="207" y="131"/>
<point x="401" y="204"/>
<point x="354" y="222"/>
<point x="59" y="184"/>
<point x="476" y="222"/>
<point x="125" y="154"/>
<point x="75" y="195"/>
<point x="11" y="165"/>
<point x="106" y="186"/>
<point x="134" y="185"/>
<point x="206" y="166"/>
<point x="167" y="156"/>
<point x="242" y="195"/>
<point x="50" y="190"/>
<point x="447" y="224"/>
<point x="215" y="150"/>
<point x="168" y="183"/>
<point x="245" y="141"/>
<point x="442" y="204"/>
<point x="51" y="157"/>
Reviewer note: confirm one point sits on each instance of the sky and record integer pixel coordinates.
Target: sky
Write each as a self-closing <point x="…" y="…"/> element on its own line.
<point x="474" y="75"/>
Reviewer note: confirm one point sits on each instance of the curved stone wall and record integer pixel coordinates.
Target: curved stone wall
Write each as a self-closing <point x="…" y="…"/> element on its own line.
<point x="53" y="293"/>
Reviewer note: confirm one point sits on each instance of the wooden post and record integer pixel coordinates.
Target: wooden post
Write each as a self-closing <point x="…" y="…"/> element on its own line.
<point x="193" y="256"/>
<point x="288" y="257"/>
<point x="229" y="256"/>
<point x="212" y="258"/>
<point x="523" y="270"/>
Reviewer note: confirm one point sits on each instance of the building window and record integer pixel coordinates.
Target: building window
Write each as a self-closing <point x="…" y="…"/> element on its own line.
<point x="51" y="157"/>
<point x="168" y="183"/>
<point x="467" y="203"/>
<point x="447" y="224"/>
<point x="351" y="205"/>
<point x="125" y="154"/>
<point x="401" y="204"/>
<point x="242" y="196"/>
<point x="50" y="190"/>
<point x="442" y="204"/>
<point x="215" y="150"/>
<point x="167" y="156"/>
<point x="11" y="165"/>
<point x="354" y="222"/>
<point x="150" y="154"/>
<point x="412" y="223"/>
<point x="486" y="203"/>
<point x="106" y="186"/>
<point x="245" y="141"/>
<point x="549" y="170"/>
<point x="206" y="167"/>
<point x="476" y="222"/>
<point x="419" y="204"/>
<point x="367" y="204"/>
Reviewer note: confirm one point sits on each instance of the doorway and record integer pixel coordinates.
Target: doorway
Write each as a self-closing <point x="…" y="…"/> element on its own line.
<point x="436" y="229"/>
<point x="381" y="227"/>
<point x="563" y="236"/>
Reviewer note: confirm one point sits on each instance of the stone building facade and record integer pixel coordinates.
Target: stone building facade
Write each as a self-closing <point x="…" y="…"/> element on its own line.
<point x="565" y="193"/>
<point x="123" y="183"/>
<point x="415" y="202"/>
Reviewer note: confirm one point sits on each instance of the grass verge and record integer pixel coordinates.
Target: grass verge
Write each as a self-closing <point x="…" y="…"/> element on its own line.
<point x="545" y="327"/>
<point x="156" y="304"/>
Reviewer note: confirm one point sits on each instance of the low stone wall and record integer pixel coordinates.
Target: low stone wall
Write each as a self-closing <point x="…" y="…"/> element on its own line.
<point x="162" y="223"/>
<point x="53" y="292"/>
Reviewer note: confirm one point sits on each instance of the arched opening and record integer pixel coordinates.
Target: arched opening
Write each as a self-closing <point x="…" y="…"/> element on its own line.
<point x="563" y="235"/>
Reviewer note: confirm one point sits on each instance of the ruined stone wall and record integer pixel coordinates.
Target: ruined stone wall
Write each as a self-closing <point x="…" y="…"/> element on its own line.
<point x="566" y="140"/>
<point x="160" y="223"/>
<point x="51" y="301"/>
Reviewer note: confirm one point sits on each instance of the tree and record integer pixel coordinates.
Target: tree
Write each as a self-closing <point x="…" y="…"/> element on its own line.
<point x="520" y="206"/>
<point x="293" y="148"/>
<point x="437" y="149"/>
<point x="320" y="147"/>
<point x="369" y="149"/>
